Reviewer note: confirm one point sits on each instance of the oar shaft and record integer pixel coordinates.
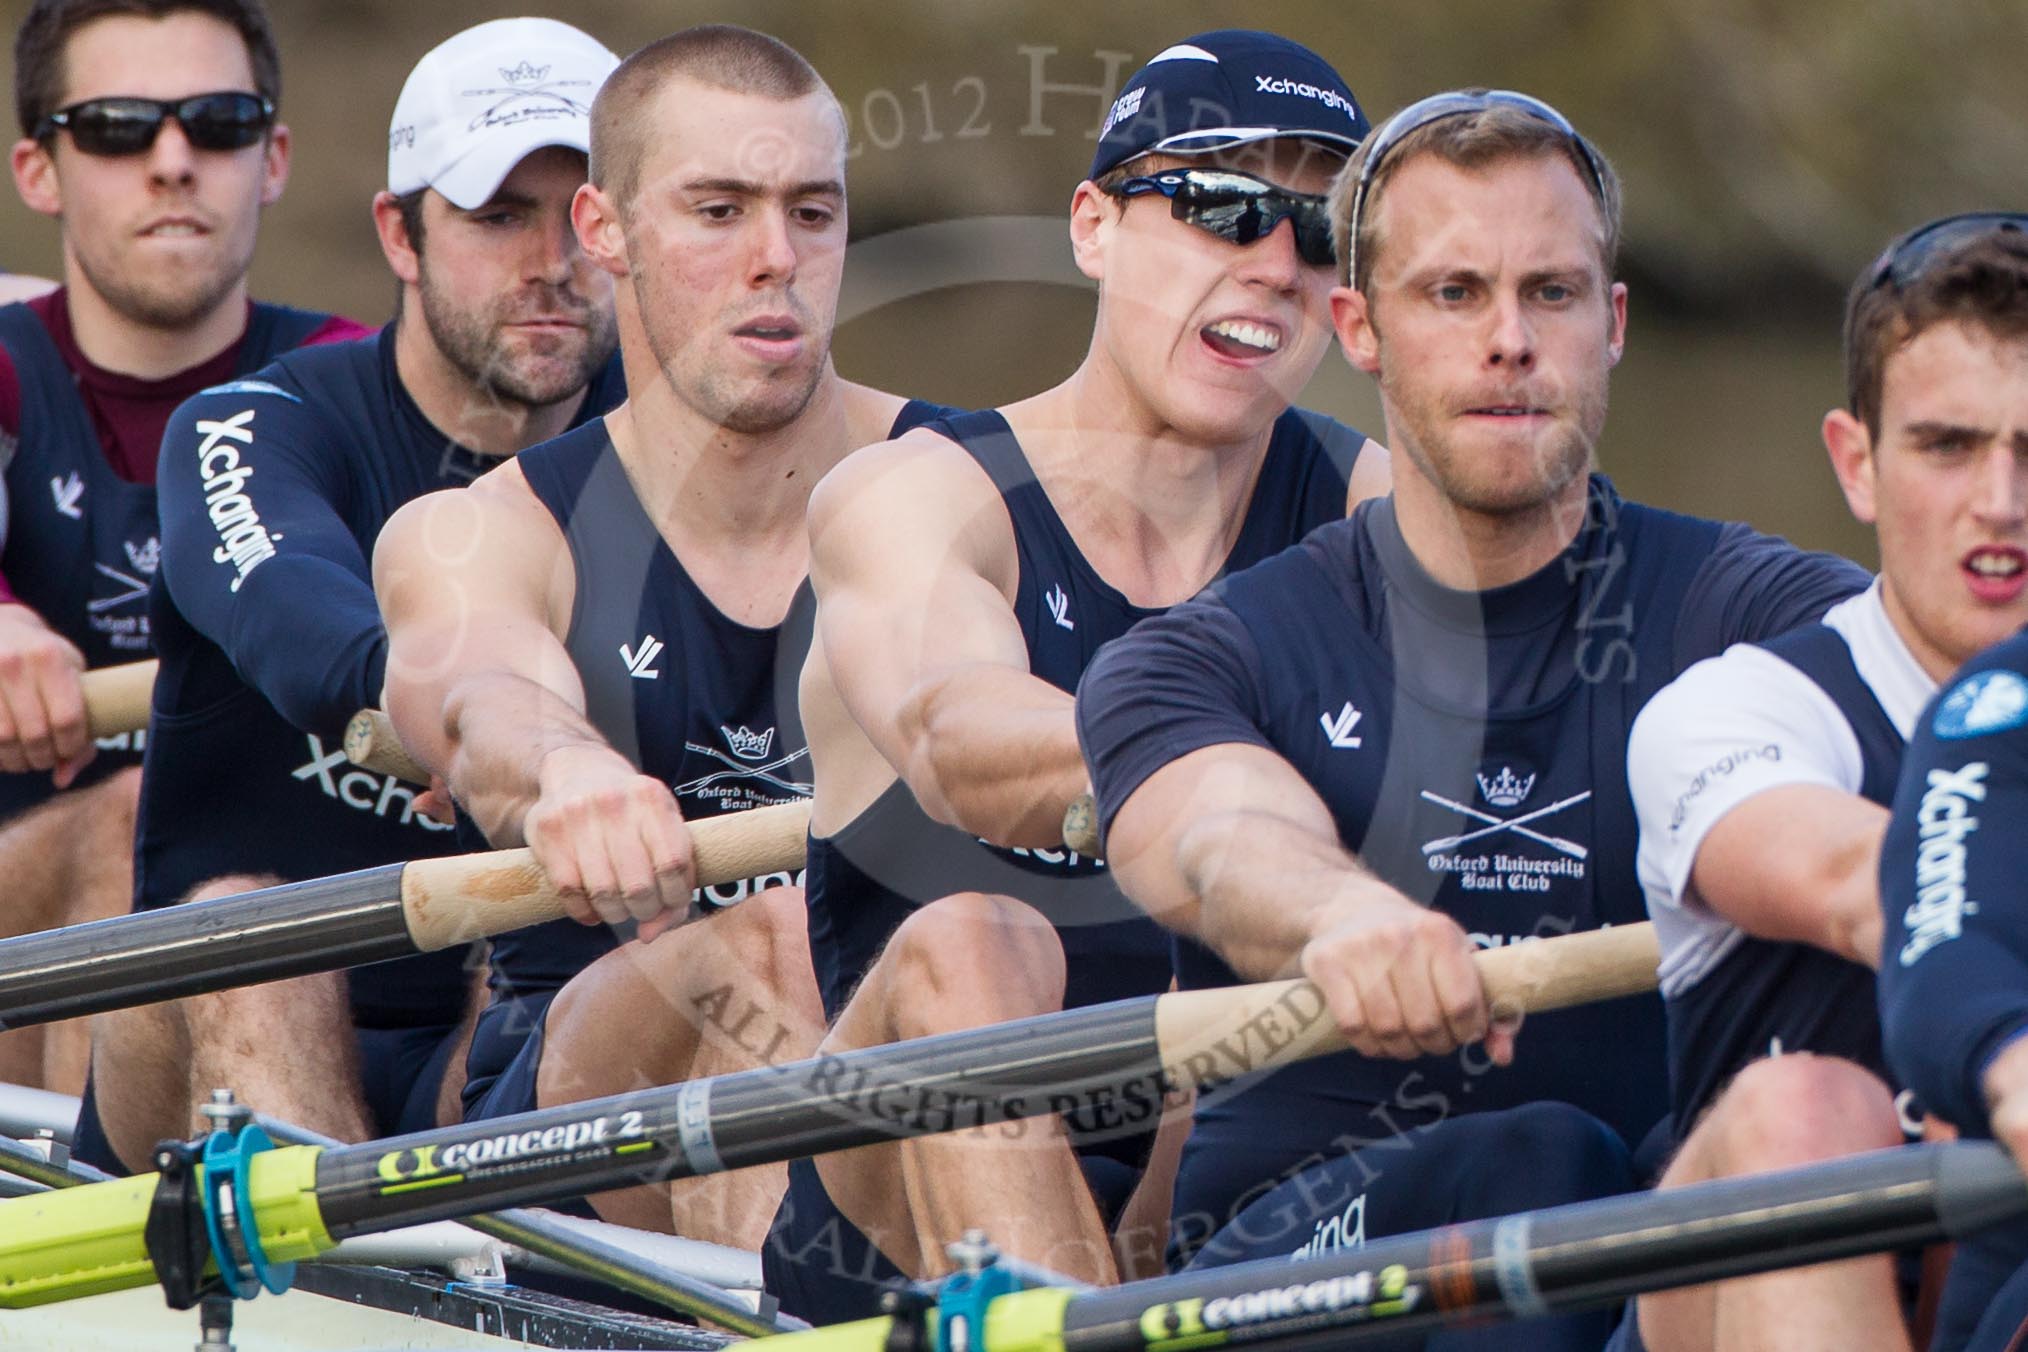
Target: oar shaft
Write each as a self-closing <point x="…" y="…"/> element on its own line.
<point x="1105" y="1067"/>
<point x="329" y="924"/>
<point x="1564" y="1258"/>
<point x="88" y="1240"/>
<point x="116" y="698"/>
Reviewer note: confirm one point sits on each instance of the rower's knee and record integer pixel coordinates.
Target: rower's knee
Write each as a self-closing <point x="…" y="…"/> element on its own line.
<point x="770" y="931"/>
<point x="970" y="959"/>
<point x="1794" y="1109"/>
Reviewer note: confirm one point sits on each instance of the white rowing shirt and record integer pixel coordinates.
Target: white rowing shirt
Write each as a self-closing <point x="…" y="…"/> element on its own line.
<point x="1736" y="725"/>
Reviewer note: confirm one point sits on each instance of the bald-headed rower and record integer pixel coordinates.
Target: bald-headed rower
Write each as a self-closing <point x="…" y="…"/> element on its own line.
<point x="595" y="642"/>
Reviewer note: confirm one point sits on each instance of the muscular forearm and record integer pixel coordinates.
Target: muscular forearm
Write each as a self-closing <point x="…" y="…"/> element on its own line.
<point x="993" y="751"/>
<point x="1264" y="886"/>
<point x="499" y="729"/>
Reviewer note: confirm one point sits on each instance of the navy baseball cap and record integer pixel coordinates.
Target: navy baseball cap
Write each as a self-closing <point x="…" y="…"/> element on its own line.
<point x="1225" y="89"/>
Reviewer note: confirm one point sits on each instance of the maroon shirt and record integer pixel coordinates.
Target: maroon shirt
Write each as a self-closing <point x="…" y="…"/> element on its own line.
<point x="129" y="413"/>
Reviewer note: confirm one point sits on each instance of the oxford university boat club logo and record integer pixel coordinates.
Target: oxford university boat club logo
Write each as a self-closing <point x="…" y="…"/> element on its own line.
<point x="1500" y="848"/>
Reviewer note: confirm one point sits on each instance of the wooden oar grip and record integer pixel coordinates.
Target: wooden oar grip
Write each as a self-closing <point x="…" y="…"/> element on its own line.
<point x="465" y="897"/>
<point x="1080" y="826"/>
<point x="1576" y="969"/>
<point x="370" y="744"/>
<point x="116" y="698"/>
<point x="1204" y="1034"/>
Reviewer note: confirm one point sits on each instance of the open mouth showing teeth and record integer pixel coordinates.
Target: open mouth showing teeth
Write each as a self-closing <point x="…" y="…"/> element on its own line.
<point x="1236" y="338"/>
<point x="1994" y="565"/>
<point x="771" y="335"/>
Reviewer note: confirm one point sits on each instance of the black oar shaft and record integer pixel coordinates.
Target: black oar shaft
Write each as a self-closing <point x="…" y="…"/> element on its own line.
<point x="1564" y="1258"/>
<point x="1104" y="1068"/>
<point x="1101" y="1063"/>
<point x="203" y="946"/>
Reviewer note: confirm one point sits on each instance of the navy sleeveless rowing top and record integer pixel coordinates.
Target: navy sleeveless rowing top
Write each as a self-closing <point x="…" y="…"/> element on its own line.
<point x="866" y="878"/>
<point x="1764" y="995"/>
<point x="690" y="696"/>
<point x="81" y="543"/>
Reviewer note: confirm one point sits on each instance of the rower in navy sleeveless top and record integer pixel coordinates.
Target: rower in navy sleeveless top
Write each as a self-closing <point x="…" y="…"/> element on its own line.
<point x="82" y="544"/>
<point x="1763" y="777"/>
<point x="1405" y="739"/>
<point x="689" y="695"/>
<point x="274" y="490"/>
<point x="868" y="876"/>
<point x="158" y="227"/>
<point x="937" y="696"/>
<point x="634" y="665"/>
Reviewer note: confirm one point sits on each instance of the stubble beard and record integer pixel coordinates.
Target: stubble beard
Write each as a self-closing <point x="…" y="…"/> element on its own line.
<point x="1564" y="455"/>
<point x="164" y="299"/>
<point x="744" y="407"/>
<point x="469" y="338"/>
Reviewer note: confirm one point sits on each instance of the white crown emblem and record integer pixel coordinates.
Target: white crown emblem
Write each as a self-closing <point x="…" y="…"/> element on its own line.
<point x="1505" y="789"/>
<point x="148" y="557"/>
<point x="525" y="73"/>
<point x="746" y="744"/>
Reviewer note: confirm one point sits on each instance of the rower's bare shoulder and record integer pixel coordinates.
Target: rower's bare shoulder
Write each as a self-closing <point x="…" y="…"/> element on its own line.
<point x="920" y="491"/>
<point x="921" y="465"/>
<point x="494" y="527"/>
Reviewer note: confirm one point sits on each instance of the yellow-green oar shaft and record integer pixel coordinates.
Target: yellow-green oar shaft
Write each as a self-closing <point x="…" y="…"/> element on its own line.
<point x="83" y="1241"/>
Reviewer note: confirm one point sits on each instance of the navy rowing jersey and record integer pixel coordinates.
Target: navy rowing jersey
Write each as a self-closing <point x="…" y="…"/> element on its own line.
<point x="1471" y="747"/>
<point x="1954" y="948"/>
<point x="273" y="490"/>
<point x="1954" y="954"/>
<point x="865" y="878"/>
<point x="1828" y="705"/>
<point x="81" y="543"/>
<point x="690" y="696"/>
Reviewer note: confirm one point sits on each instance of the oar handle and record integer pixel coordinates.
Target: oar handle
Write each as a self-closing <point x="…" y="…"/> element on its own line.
<point x="465" y="897"/>
<point x="116" y="698"/>
<point x="370" y="744"/>
<point x="1289" y="1019"/>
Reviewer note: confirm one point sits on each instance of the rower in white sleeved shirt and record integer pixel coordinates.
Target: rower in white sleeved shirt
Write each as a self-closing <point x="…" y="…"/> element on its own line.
<point x="1830" y="705"/>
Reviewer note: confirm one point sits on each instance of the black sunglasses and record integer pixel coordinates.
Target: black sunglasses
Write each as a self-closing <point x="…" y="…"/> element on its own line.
<point x="1238" y="208"/>
<point x="1906" y="259"/>
<point x="230" y="120"/>
<point x="1457" y="103"/>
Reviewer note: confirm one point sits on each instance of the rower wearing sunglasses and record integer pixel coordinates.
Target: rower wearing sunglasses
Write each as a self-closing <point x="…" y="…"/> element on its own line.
<point x="937" y="696"/>
<point x="1405" y="739"/>
<point x="149" y="136"/>
<point x="273" y="491"/>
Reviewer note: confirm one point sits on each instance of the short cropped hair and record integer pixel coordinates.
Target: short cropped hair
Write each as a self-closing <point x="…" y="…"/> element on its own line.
<point x="40" y="75"/>
<point x="717" y="55"/>
<point x="1469" y="141"/>
<point x="1982" y="281"/>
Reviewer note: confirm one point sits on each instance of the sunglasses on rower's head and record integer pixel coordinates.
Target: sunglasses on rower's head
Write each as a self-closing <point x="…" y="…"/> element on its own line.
<point x="1457" y="103"/>
<point x="230" y="120"/>
<point x="1908" y="257"/>
<point x="1238" y="208"/>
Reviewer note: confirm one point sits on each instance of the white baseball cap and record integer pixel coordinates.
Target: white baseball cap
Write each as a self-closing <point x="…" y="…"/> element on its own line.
<point x="478" y="103"/>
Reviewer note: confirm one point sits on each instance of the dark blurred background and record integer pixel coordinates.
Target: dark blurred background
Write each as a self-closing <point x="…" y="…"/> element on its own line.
<point x="1769" y="148"/>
